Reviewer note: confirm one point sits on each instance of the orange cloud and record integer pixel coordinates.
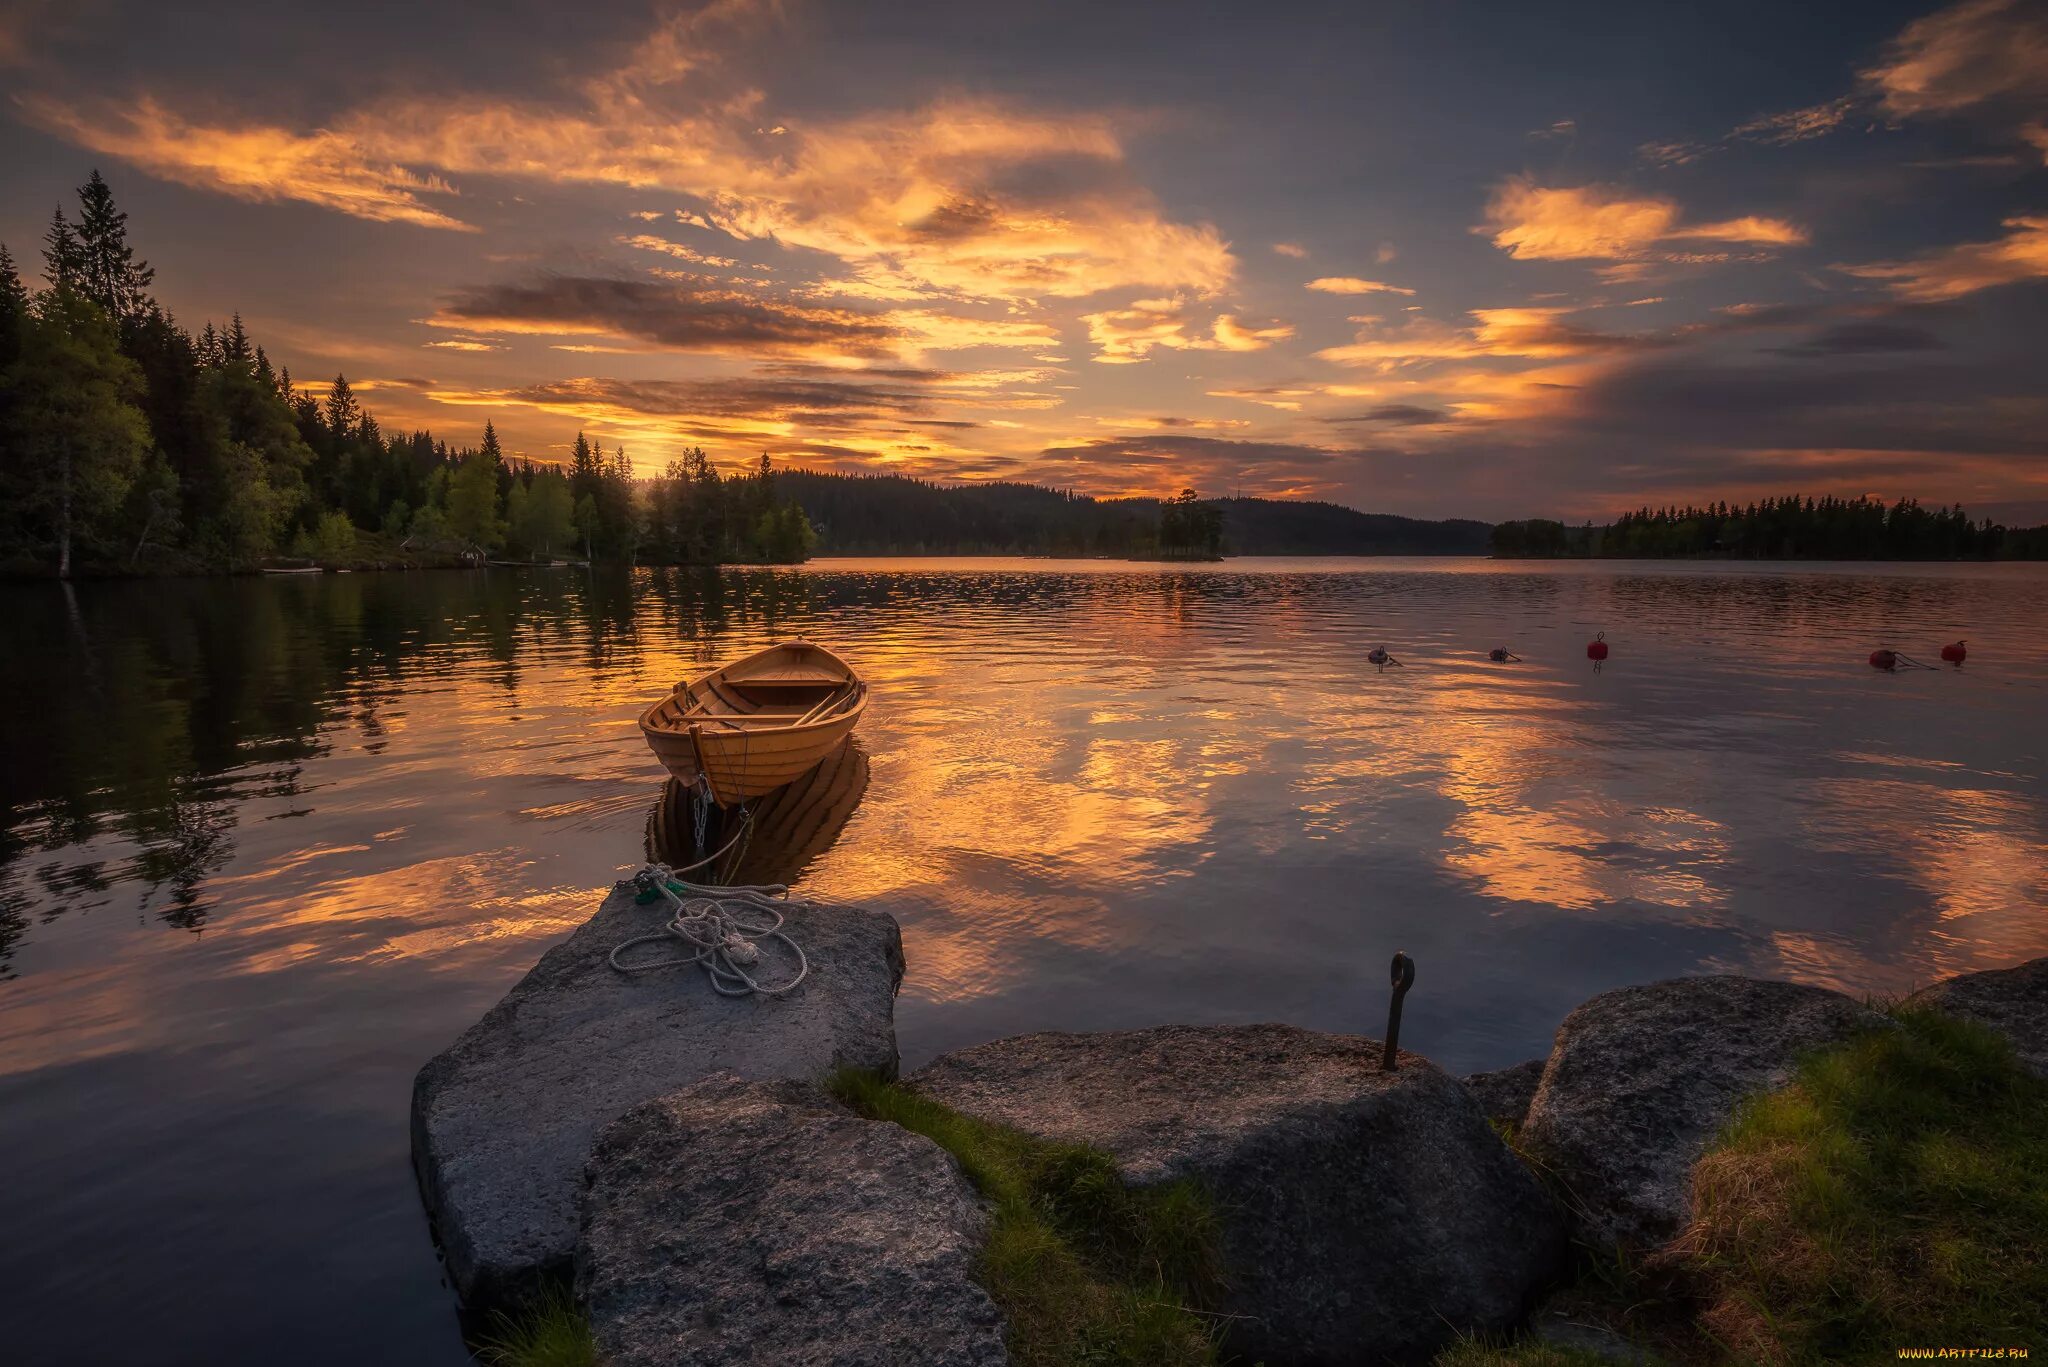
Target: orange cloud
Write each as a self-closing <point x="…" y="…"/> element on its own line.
<point x="1749" y="228"/>
<point x="1293" y="249"/>
<point x="1600" y="222"/>
<point x="1167" y="424"/>
<point x="1504" y="333"/>
<point x="684" y="316"/>
<point x="1351" y="284"/>
<point x="970" y="197"/>
<point x="1286" y="397"/>
<point x="647" y="242"/>
<point x="1952" y="272"/>
<point x="1966" y="55"/>
<point x="1232" y="334"/>
<point x="1128" y="335"/>
<point x="255" y="162"/>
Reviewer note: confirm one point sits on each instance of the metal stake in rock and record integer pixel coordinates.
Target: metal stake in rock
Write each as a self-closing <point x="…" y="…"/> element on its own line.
<point x="1404" y="978"/>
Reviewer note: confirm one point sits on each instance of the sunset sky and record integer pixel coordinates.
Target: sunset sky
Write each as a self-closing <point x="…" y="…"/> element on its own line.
<point x="1455" y="258"/>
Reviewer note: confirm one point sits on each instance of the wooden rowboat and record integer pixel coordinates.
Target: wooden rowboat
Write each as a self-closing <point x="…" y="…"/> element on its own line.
<point x="753" y="725"/>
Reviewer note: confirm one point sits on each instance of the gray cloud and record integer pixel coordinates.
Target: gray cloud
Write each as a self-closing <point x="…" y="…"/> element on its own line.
<point x="1398" y="415"/>
<point x="672" y="315"/>
<point x="1864" y="339"/>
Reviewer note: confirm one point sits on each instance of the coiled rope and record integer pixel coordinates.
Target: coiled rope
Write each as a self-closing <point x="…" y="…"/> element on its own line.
<point x="720" y="927"/>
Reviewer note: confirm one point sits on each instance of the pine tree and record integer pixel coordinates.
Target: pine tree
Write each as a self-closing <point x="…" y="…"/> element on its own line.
<point x="63" y="258"/>
<point x="113" y="278"/>
<point x="343" y="413"/>
<point x="13" y="309"/>
<point x="234" y="343"/>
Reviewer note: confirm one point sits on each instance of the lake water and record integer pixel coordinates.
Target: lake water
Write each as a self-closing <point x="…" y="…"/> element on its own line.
<point x="268" y="844"/>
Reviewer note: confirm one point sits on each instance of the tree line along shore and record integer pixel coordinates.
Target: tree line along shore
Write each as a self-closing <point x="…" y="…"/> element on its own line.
<point x="131" y="445"/>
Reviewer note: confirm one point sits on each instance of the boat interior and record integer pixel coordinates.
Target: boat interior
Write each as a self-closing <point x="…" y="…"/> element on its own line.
<point x="784" y="689"/>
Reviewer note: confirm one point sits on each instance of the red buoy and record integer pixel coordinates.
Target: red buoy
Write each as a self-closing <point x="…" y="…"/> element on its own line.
<point x="1596" y="649"/>
<point x="1954" y="654"/>
<point x="1884" y="659"/>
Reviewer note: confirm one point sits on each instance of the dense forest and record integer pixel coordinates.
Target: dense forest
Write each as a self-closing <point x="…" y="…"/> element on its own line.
<point x="1780" y="529"/>
<point x="128" y="443"/>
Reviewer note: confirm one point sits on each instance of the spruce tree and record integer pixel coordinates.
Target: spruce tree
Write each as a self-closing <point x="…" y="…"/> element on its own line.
<point x="113" y="278"/>
<point x="63" y="258"/>
<point x="13" y="309"/>
<point x="235" y="343"/>
<point x="343" y="413"/>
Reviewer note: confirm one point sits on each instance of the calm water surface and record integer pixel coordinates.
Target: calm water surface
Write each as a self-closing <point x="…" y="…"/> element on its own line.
<point x="266" y="845"/>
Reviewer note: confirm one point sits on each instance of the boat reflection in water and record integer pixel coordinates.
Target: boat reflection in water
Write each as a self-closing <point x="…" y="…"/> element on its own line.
<point x="784" y="830"/>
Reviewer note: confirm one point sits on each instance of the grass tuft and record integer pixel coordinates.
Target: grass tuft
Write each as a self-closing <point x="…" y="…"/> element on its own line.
<point x="1894" y="1195"/>
<point x="1087" y="1271"/>
<point x="1477" y="1352"/>
<point x="547" y="1330"/>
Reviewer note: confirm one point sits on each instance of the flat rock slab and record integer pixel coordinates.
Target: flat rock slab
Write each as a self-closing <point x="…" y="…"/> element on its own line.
<point x="762" y="1223"/>
<point x="503" y="1119"/>
<point x="1363" y="1216"/>
<point x="1642" y="1079"/>
<point x="1505" y="1093"/>
<point x="2012" y="1001"/>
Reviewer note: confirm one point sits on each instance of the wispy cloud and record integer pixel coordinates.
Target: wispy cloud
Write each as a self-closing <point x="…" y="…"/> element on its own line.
<point x="252" y="161"/>
<point x="1951" y="272"/>
<point x="673" y="317"/>
<point x="1519" y="333"/>
<point x="1398" y="415"/>
<point x="1768" y="130"/>
<point x="647" y="242"/>
<point x="1531" y="222"/>
<point x="1973" y="56"/>
<point x="1351" y="284"/>
<point x="1970" y="54"/>
<point x="1130" y="334"/>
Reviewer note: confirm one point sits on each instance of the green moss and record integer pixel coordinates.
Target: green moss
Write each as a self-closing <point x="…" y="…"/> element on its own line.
<point x="548" y="1330"/>
<point x="1896" y="1195"/>
<point x="1087" y="1271"/>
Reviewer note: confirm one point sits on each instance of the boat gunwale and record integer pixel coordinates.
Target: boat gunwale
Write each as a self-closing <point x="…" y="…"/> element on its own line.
<point x="841" y="714"/>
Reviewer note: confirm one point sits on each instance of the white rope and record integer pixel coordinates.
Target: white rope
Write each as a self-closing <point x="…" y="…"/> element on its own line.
<point x="715" y="925"/>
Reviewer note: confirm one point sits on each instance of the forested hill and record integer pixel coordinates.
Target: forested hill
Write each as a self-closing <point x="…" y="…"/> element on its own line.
<point x="1788" y="528"/>
<point x="897" y="515"/>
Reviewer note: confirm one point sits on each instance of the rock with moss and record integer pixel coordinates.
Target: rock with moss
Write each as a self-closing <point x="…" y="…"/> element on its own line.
<point x="1505" y="1093"/>
<point x="2012" y="1001"/>
<point x="1641" y="1079"/>
<point x="763" y="1222"/>
<point x="1361" y="1215"/>
<point x="503" y="1119"/>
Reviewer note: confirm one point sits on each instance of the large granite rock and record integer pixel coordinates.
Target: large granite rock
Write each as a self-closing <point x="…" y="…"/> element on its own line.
<point x="2012" y="1001"/>
<point x="1364" y="1216"/>
<point x="1505" y="1093"/>
<point x="503" y="1119"/>
<point x="762" y="1223"/>
<point x="1641" y="1080"/>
